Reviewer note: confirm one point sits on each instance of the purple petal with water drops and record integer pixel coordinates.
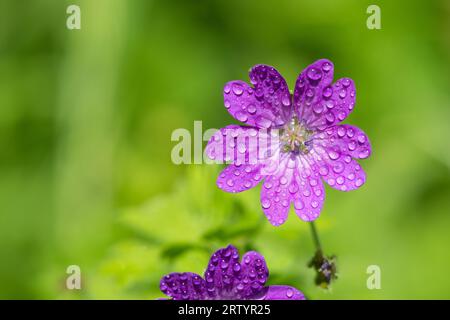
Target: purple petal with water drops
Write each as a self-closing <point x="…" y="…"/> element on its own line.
<point x="238" y="145"/>
<point x="267" y="104"/>
<point x="238" y="178"/>
<point x="221" y="272"/>
<point x="342" y="173"/>
<point x="309" y="198"/>
<point x="318" y="103"/>
<point x="283" y="293"/>
<point x="347" y="139"/>
<point x="311" y="84"/>
<point x="253" y="275"/>
<point x="184" y="286"/>
<point x="276" y="198"/>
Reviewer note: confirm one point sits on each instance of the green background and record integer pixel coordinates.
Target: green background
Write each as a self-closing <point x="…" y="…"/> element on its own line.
<point x="86" y="118"/>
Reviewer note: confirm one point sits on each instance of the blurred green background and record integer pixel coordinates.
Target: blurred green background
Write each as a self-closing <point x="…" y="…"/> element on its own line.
<point x="86" y="118"/>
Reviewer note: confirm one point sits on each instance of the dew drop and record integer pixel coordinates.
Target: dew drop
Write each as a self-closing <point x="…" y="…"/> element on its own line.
<point x="361" y="138"/>
<point x="263" y="122"/>
<point x="298" y="204"/>
<point x="323" y="171"/>
<point x="237" y="89"/>
<point x="318" y="108"/>
<point x="289" y="293"/>
<point x="341" y="131"/>
<point x="351" y="145"/>
<point x="333" y="155"/>
<point x="326" y="66"/>
<point x="265" y="203"/>
<point x="241" y="116"/>
<point x="327" y="92"/>
<point x="251" y="109"/>
<point x="330" y="117"/>
<point x="359" y="182"/>
<point x="364" y="154"/>
<point x="314" y="74"/>
<point x="230" y="182"/>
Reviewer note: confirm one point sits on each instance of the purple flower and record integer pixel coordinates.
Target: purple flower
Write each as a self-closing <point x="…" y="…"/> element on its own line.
<point x="227" y="278"/>
<point x="292" y="142"/>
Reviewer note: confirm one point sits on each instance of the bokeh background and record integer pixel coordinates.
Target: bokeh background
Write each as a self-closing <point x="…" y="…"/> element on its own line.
<point x="86" y="118"/>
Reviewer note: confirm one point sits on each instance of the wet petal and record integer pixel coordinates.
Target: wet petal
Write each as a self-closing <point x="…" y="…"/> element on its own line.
<point x="309" y="198"/>
<point x="283" y="293"/>
<point x="238" y="145"/>
<point x="343" y="173"/>
<point x="265" y="105"/>
<point x="347" y="139"/>
<point x="275" y="196"/>
<point x="221" y="273"/>
<point x="318" y="103"/>
<point x="184" y="286"/>
<point x="253" y="275"/>
<point x="238" y="178"/>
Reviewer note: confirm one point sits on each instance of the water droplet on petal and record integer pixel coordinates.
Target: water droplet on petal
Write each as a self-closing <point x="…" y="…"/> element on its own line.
<point x="265" y="203"/>
<point x="227" y="104"/>
<point x="351" y="145"/>
<point x="230" y="182"/>
<point x="333" y="155"/>
<point x="251" y="109"/>
<point x="323" y="170"/>
<point x="298" y="204"/>
<point x="359" y="182"/>
<point x="227" y="89"/>
<point x="361" y="138"/>
<point x="330" y="117"/>
<point x="364" y="154"/>
<point x="338" y="167"/>
<point x="318" y="108"/>
<point x="327" y="92"/>
<point x="241" y="116"/>
<point x="326" y="66"/>
<point x="237" y="89"/>
<point x="289" y="293"/>
<point x="340" y="180"/>
<point x="283" y="180"/>
<point x="341" y="131"/>
<point x="263" y="122"/>
<point x="314" y="74"/>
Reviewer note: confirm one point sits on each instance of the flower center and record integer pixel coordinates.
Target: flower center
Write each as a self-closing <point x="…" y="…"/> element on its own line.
<point x="295" y="137"/>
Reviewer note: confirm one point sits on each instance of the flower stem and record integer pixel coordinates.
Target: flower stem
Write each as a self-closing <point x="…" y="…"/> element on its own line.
<point x="315" y="236"/>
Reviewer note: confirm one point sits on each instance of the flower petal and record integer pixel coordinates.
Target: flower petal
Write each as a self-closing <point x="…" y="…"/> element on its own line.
<point x="347" y="139"/>
<point x="343" y="174"/>
<point x="239" y="145"/>
<point x="318" y="103"/>
<point x="238" y="178"/>
<point x="309" y="198"/>
<point x="266" y="105"/>
<point x="184" y="286"/>
<point x="283" y="293"/>
<point x="221" y="272"/>
<point x="253" y="275"/>
<point x="275" y="198"/>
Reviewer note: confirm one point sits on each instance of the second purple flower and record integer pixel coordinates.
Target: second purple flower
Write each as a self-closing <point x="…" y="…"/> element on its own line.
<point x="306" y="144"/>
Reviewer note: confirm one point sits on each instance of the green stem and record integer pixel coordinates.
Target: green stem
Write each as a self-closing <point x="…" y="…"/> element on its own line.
<point x="315" y="236"/>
